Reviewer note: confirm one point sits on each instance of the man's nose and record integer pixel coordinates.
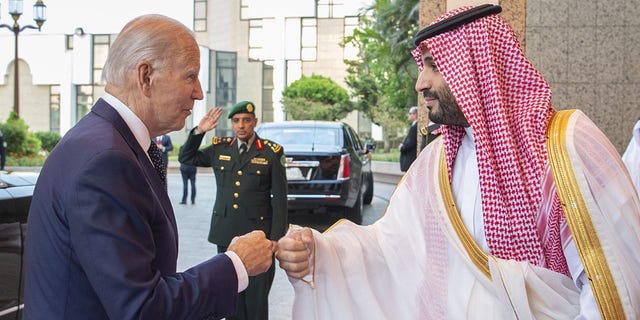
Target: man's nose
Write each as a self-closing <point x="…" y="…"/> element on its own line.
<point x="423" y="82"/>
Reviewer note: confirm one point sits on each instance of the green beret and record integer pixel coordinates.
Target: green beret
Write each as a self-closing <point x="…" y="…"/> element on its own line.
<point x="242" y="107"/>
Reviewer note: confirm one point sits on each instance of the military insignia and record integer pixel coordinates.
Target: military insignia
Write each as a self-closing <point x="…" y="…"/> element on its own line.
<point x="224" y="157"/>
<point x="424" y="131"/>
<point x="283" y="161"/>
<point x="274" y="146"/>
<point x="250" y="107"/>
<point x="218" y="140"/>
<point x="261" y="161"/>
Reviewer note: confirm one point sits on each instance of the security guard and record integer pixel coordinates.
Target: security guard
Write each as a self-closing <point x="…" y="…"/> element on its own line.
<point x="251" y="192"/>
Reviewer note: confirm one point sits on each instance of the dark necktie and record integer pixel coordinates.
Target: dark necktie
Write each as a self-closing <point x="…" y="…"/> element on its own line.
<point x="243" y="148"/>
<point x="156" y="158"/>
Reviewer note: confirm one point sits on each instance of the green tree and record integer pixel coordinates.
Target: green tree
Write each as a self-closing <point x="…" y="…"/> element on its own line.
<point x="316" y="98"/>
<point x="383" y="78"/>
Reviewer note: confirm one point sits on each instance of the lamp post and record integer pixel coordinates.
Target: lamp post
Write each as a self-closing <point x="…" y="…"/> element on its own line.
<point x="39" y="16"/>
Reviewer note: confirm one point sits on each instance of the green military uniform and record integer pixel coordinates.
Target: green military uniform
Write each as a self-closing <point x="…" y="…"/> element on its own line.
<point x="251" y="194"/>
<point x="244" y="186"/>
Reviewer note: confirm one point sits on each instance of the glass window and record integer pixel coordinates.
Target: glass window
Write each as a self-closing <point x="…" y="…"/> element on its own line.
<point x="84" y="100"/>
<point x="256" y="39"/>
<point x="309" y="39"/>
<point x="69" y="41"/>
<point x="330" y="9"/>
<point x="101" y="44"/>
<point x="54" y="108"/>
<point x="200" y="15"/>
<point x="350" y="51"/>
<point x="226" y="73"/>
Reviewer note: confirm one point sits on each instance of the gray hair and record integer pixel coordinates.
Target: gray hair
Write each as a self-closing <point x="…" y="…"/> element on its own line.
<point x="146" y="38"/>
<point x="413" y="110"/>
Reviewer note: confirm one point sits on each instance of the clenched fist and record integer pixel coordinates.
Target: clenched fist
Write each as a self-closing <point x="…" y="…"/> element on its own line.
<point x="255" y="251"/>
<point x="294" y="252"/>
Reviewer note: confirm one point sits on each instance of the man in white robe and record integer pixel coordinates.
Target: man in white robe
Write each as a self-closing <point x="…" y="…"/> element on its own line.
<point x="518" y="211"/>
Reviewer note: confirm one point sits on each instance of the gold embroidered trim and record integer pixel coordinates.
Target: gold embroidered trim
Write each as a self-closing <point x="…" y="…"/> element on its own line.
<point x="579" y="220"/>
<point x="479" y="257"/>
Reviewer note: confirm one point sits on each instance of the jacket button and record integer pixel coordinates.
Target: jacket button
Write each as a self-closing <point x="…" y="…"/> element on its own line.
<point x="258" y="172"/>
<point x="261" y="218"/>
<point x="235" y="206"/>
<point x="239" y="172"/>
<point x="237" y="183"/>
<point x="221" y="167"/>
<point x="236" y="195"/>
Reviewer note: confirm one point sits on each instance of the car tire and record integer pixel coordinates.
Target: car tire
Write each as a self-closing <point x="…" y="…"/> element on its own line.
<point x="355" y="213"/>
<point x="368" y="194"/>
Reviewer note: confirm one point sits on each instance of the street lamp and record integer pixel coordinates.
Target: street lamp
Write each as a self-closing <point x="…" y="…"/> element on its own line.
<point x="39" y="16"/>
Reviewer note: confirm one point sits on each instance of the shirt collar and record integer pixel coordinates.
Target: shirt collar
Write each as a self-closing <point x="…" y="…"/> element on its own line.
<point x="249" y="142"/>
<point x="134" y="123"/>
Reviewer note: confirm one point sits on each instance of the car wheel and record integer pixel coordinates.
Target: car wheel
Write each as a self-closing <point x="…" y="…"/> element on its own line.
<point x="355" y="214"/>
<point x="368" y="194"/>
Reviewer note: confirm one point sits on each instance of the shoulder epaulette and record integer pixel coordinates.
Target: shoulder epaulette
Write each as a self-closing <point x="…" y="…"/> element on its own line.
<point x="424" y="131"/>
<point x="274" y="146"/>
<point x="219" y="140"/>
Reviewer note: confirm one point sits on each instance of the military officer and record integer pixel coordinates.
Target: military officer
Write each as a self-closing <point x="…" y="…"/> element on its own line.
<point x="251" y="192"/>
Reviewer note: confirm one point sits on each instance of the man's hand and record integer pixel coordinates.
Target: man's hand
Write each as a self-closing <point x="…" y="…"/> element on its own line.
<point x="294" y="252"/>
<point x="255" y="251"/>
<point x="210" y="120"/>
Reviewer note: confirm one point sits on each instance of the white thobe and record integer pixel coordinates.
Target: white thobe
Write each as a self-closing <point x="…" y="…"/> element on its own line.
<point x="414" y="262"/>
<point x="631" y="156"/>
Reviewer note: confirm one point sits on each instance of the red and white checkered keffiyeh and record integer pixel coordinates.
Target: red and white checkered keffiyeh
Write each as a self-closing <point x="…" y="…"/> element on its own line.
<point x="507" y="102"/>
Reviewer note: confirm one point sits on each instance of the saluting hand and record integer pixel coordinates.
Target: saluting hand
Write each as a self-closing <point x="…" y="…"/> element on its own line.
<point x="210" y="120"/>
<point x="294" y="252"/>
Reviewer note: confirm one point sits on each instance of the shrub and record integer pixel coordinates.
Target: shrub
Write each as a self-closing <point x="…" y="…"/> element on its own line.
<point x="49" y="139"/>
<point x="32" y="145"/>
<point x="15" y="132"/>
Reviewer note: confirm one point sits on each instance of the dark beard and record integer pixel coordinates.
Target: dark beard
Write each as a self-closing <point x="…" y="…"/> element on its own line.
<point x="448" y="112"/>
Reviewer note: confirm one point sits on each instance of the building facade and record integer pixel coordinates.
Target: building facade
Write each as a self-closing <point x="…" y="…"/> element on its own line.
<point x="250" y="50"/>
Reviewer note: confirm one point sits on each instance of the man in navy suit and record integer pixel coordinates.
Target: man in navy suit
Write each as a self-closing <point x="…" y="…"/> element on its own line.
<point x="163" y="142"/>
<point x="103" y="240"/>
<point x="408" y="148"/>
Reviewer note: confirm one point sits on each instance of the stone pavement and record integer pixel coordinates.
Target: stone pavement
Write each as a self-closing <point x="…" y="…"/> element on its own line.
<point x="193" y="228"/>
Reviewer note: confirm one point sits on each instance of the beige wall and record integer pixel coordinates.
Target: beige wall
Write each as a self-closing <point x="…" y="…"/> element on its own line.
<point x="34" y="99"/>
<point x="589" y="52"/>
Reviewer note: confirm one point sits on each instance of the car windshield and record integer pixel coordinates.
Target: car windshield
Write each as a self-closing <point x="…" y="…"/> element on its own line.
<point x="309" y="136"/>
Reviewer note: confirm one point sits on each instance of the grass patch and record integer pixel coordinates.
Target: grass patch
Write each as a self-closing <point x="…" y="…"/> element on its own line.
<point x="392" y="156"/>
<point x="25" y="161"/>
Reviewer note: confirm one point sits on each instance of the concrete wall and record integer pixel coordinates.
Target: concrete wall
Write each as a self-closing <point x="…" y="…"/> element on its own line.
<point x="589" y="52"/>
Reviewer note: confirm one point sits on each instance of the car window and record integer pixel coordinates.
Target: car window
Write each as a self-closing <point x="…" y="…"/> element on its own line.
<point x="301" y="136"/>
<point x="356" y="141"/>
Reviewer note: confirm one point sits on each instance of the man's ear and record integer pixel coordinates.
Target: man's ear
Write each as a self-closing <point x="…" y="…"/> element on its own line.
<point x="144" y="70"/>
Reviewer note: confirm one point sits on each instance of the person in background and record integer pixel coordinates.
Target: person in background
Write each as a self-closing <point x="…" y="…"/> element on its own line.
<point x="188" y="173"/>
<point x="3" y="151"/>
<point x="103" y="241"/>
<point x="408" y="148"/>
<point x="251" y="186"/>
<point x="518" y="211"/>
<point x="631" y="156"/>
<point x="163" y="142"/>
